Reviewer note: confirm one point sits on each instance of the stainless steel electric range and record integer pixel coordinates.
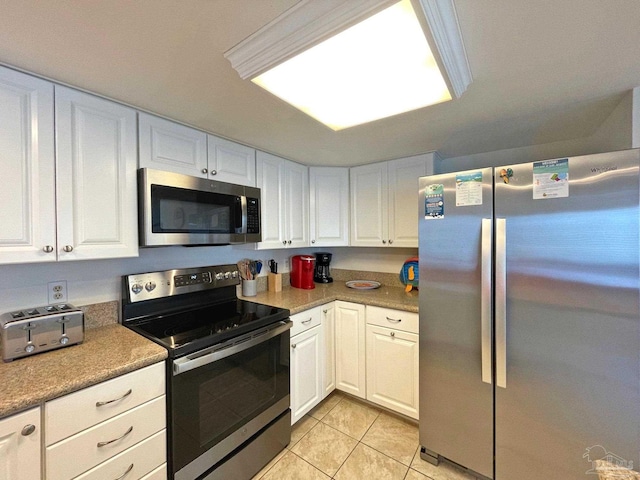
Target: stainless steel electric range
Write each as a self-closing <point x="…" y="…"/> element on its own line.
<point x="227" y="371"/>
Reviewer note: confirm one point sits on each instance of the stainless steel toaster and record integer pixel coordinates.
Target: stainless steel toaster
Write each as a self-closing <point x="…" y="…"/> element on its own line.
<point x="40" y="329"/>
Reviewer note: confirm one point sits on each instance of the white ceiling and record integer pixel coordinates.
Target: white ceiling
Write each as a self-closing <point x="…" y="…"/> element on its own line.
<point x="544" y="71"/>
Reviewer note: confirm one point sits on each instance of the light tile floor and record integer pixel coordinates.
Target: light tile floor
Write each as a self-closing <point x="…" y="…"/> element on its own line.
<point x="345" y="439"/>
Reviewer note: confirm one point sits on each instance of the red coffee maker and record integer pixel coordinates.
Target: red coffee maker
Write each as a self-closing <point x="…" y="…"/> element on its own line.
<point x="302" y="268"/>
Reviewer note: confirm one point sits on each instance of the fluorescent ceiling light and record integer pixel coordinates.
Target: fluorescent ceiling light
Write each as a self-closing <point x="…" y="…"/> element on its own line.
<point x="379" y="63"/>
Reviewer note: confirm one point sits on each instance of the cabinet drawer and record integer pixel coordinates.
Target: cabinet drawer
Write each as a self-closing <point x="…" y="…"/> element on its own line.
<point x="397" y="319"/>
<point x="136" y="461"/>
<point x="72" y="413"/>
<point x="305" y="320"/>
<point x="159" y="473"/>
<point x="79" y="453"/>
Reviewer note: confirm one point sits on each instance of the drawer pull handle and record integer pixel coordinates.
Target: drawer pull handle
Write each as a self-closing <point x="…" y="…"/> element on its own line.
<point x="125" y="473"/>
<point x="101" y="404"/>
<point x="104" y="444"/>
<point x="293" y="345"/>
<point x="393" y="334"/>
<point x="394" y="320"/>
<point x="306" y="321"/>
<point x="28" y="430"/>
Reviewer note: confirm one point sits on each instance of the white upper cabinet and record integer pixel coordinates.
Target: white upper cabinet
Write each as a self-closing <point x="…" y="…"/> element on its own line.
<point x="369" y="205"/>
<point x="166" y="145"/>
<point x="169" y="146"/>
<point x="384" y="202"/>
<point x="79" y="201"/>
<point x="284" y="187"/>
<point x="96" y="177"/>
<point x="231" y="162"/>
<point x="329" y="206"/>
<point x="27" y="216"/>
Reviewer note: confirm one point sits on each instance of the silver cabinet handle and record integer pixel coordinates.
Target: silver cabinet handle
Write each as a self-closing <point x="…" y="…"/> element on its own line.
<point x="284" y="242"/>
<point x="393" y="334"/>
<point x="325" y="311"/>
<point x="390" y="241"/>
<point x="293" y="345"/>
<point x="289" y="242"/>
<point x="384" y="242"/>
<point x="313" y="241"/>
<point x="47" y="249"/>
<point x="214" y="172"/>
<point x="501" y="302"/>
<point x="125" y="473"/>
<point x="28" y="430"/>
<point x="100" y="404"/>
<point x="485" y="300"/>
<point x="306" y="321"/>
<point x="104" y="444"/>
<point x="68" y="248"/>
<point x="394" y="320"/>
<point x="204" y="170"/>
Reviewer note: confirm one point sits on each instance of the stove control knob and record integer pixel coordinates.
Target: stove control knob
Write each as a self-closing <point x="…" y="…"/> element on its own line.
<point x="29" y="348"/>
<point x="227" y="275"/>
<point x="150" y="286"/>
<point x="64" y="340"/>
<point x="234" y="274"/>
<point x="219" y="276"/>
<point x="136" y="288"/>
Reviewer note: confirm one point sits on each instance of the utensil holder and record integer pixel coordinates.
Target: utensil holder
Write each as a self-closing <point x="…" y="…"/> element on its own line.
<point x="275" y="282"/>
<point x="249" y="288"/>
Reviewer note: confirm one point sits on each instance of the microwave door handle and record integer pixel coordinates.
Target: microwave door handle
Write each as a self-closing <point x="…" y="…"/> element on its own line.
<point x="241" y="216"/>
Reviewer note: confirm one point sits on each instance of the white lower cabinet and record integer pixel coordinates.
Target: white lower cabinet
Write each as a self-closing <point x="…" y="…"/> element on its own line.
<point x="392" y="359"/>
<point x="116" y="429"/>
<point x="306" y="360"/>
<point x="20" y="436"/>
<point x="329" y="342"/>
<point x="350" y="348"/>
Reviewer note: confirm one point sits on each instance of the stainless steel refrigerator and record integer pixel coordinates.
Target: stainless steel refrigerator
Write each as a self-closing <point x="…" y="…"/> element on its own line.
<point x="530" y="318"/>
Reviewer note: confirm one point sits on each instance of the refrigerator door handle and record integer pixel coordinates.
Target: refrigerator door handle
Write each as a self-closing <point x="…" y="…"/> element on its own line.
<point x="485" y="300"/>
<point x="501" y="302"/>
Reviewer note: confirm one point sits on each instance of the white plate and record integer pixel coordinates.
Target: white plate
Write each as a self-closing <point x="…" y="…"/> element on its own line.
<point x="363" y="284"/>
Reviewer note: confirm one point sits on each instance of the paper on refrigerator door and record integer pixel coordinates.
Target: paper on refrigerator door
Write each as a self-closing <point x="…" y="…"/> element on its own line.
<point x="434" y="201"/>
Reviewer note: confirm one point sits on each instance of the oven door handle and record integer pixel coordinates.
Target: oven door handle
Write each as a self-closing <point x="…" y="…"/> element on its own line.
<point x="239" y="344"/>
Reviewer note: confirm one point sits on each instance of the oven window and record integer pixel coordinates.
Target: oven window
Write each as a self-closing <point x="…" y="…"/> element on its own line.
<point x="213" y="401"/>
<point x="178" y="210"/>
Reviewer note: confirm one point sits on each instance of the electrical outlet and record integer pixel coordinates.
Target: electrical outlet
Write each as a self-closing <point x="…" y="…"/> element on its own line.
<point x="57" y="291"/>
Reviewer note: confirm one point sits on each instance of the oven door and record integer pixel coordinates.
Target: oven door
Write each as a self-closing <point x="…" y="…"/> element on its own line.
<point x="223" y="396"/>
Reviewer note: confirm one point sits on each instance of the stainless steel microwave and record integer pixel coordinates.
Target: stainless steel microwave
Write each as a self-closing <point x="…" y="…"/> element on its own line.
<point x="179" y="209"/>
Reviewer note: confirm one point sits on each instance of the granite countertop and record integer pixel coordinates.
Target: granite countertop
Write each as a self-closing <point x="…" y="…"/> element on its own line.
<point x="107" y="352"/>
<point x="298" y="300"/>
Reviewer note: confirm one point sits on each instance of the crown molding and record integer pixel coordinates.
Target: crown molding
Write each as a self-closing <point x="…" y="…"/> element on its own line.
<point x="304" y="25"/>
<point x="443" y="32"/>
<point x="310" y="22"/>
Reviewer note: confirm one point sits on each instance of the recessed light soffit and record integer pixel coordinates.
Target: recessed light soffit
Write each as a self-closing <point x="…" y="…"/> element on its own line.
<point x="316" y="56"/>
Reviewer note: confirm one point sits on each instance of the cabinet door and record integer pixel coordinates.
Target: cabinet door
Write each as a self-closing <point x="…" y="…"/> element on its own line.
<point x="329" y="206"/>
<point x="231" y="162"/>
<point x="270" y="180"/>
<point x="19" y="449"/>
<point x="169" y="146"/>
<point x="95" y="177"/>
<point x="392" y="369"/>
<point x="329" y="351"/>
<point x="297" y="205"/>
<point x="369" y="203"/>
<point x="350" y="348"/>
<point x="306" y="372"/>
<point x="403" y="192"/>
<point x="27" y="196"/>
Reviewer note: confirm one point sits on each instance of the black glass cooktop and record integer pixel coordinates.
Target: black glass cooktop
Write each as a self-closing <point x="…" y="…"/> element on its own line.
<point x="188" y="331"/>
